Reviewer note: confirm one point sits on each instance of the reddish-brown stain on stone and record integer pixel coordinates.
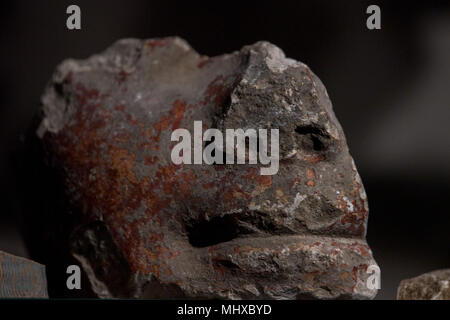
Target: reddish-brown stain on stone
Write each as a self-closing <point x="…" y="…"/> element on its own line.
<point x="156" y="43"/>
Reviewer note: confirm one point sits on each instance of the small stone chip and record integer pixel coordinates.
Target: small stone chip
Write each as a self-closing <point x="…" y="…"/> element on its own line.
<point x="433" y="285"/>
<point x="21" y="278"/>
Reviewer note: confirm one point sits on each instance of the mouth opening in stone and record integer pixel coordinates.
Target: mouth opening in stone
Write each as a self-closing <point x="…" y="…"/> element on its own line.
<point x="214" y="231"/>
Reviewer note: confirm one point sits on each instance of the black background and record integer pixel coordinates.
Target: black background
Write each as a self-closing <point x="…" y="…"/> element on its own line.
<point x="390" y="89"/>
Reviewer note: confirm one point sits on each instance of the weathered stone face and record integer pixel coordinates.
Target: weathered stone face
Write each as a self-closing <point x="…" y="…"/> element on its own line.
<point x="429" y="286"/>
<point x="150" y="228"/>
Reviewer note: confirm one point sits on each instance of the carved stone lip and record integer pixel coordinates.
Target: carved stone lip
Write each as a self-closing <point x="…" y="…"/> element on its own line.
<point x="296" y="242"/>
<point x="311" y="261"/>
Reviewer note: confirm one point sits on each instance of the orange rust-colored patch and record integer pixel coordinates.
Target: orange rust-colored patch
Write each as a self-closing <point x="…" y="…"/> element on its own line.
<point x="215" y="91"/>
<point x="173" y="255"/>
<point x="101" y="174"/>
<point x="204" y="62"/>
<point x="363" y="249"/>
<point x="310" y="276"/>
<point x="122" y="162"/>
<point x="173" y="118"/>
<point x="254" y="176"/>
<point x="316" y="158"/>
<point x="355" y="218"/>
<point x="120" y="107"/>
<point x="310" y="174"/>
<point x="150" y="160"/>
<point x="218" y="91"/>
<point x="295" y="182"/>
<point x="209" y="185"/>
<point x="156" y="43"/>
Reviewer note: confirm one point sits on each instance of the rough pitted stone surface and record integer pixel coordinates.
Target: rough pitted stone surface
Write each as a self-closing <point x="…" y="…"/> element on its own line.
<point x="142" y="226"/>
<point x="21" y="278"/>
<point x="429" y="286"/>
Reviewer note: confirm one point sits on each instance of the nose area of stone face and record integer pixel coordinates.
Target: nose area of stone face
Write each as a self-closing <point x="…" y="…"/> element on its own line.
<point x="280" y="93"/>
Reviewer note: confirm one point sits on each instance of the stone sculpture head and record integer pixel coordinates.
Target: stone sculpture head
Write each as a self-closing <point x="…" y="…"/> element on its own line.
<point x="147" y="227"/>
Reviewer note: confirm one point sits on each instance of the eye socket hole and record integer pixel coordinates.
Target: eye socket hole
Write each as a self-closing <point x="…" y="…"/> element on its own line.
<point x="313" y="137"/>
